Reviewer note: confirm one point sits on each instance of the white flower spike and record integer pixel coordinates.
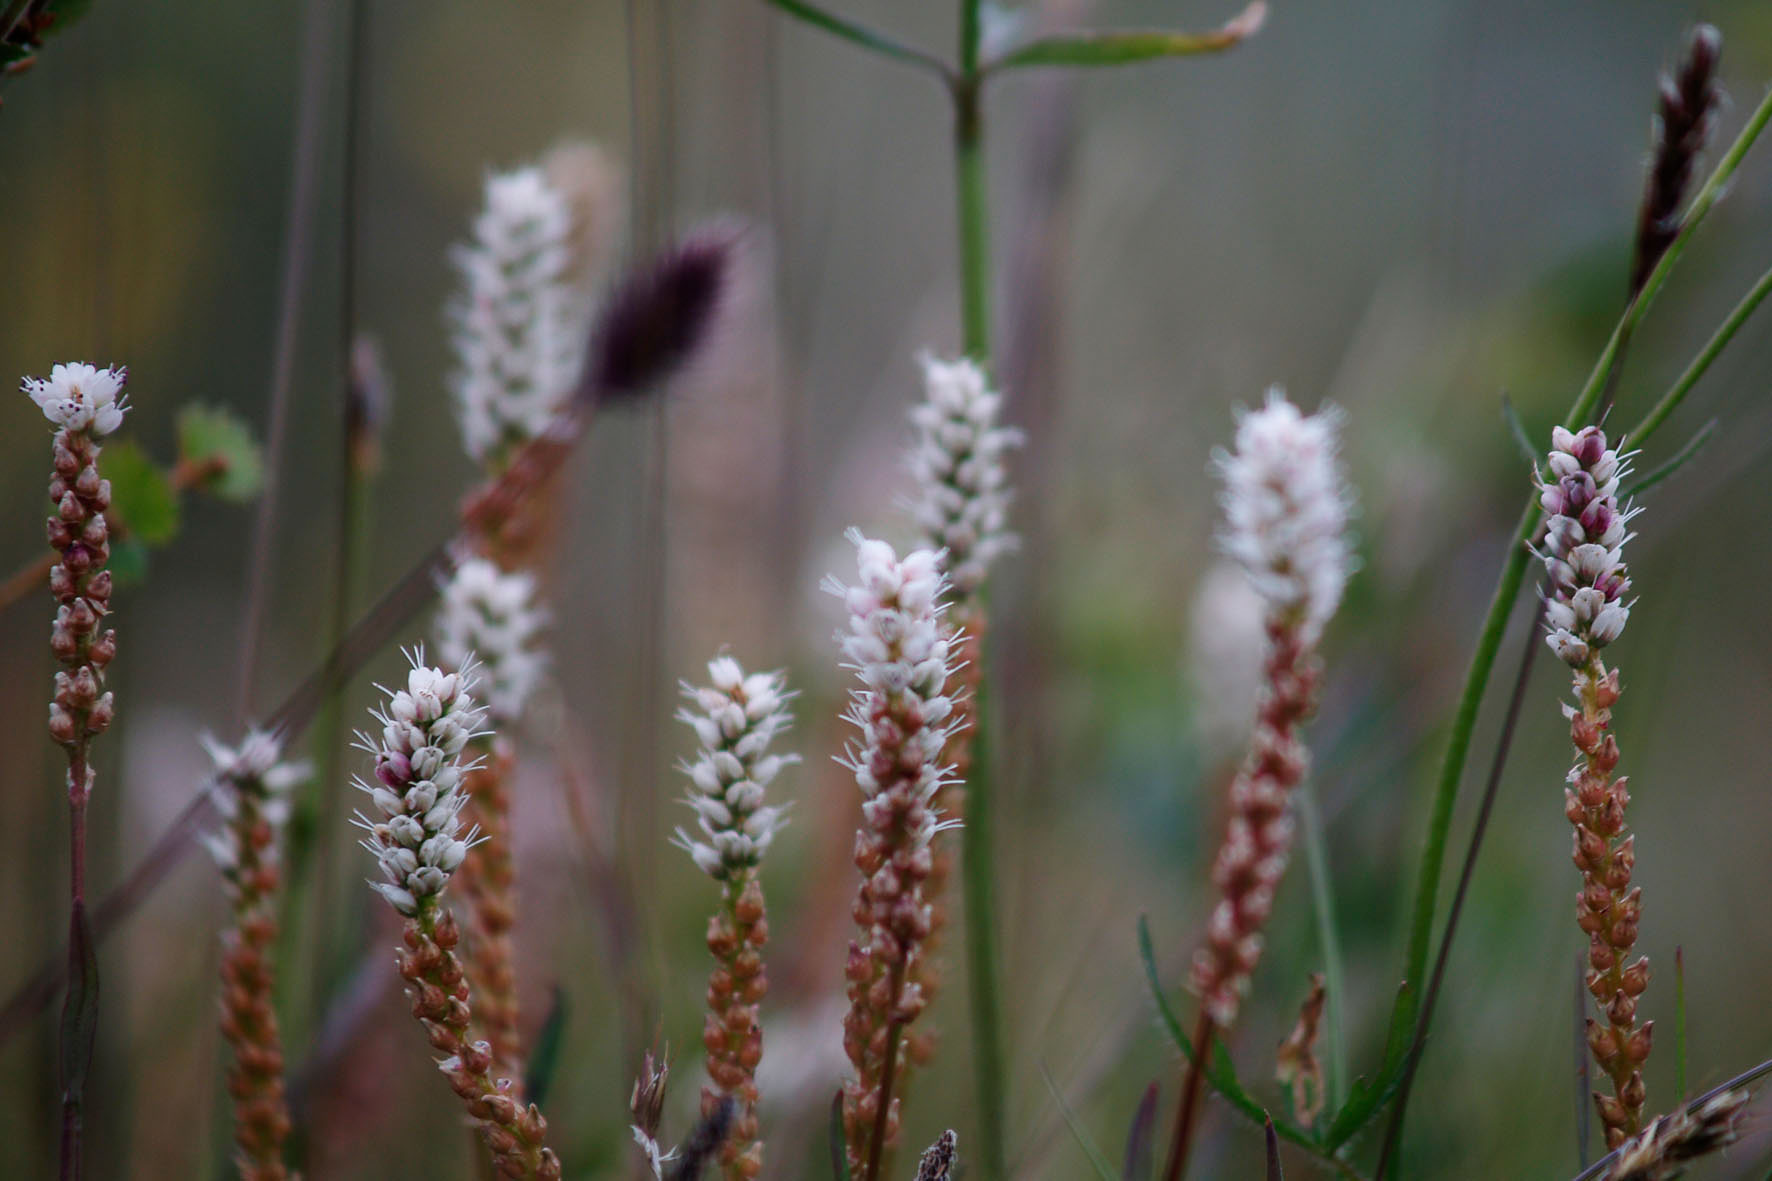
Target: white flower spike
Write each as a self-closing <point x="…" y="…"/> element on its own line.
<point x="735" y="718"/>
<point x="962" y="498"/>
<point x="491" y="617"/>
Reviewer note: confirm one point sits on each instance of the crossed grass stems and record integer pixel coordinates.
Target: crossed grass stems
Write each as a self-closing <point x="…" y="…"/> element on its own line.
<point x="1413" y="1009"/>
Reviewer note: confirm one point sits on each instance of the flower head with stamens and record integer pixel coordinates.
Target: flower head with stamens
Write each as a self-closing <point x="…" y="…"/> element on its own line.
<point x="417" y="791"/>
<point x="1286" y="510"/>
<point x="1583" y="548"/>
<point x="521" y="321"/>
<point x="81" y="397"/>
<point x="962" y="498"/>
<point x="489" y="616"/>
<point x="735" y="718"/>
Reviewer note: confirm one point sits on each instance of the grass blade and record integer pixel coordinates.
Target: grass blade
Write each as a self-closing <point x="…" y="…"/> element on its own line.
<point x="1516" y="428"/>
<point x="1583" y="1082"/>
<point x="1129" y="47"/>
<point x="544" y="1058"/>
<point x="1680" y="459"/>
<point x="1097" y="1160"/>
<point x="839" y="1146"/>
<point x="1323" y="902"/>
<point x="857" y="33"/>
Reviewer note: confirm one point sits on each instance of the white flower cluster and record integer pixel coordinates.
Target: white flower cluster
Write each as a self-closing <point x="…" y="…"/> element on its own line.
<point x="962" y="498"/>
<point x="490" y="617"/>
<point x="1584" y="544"/>
<point x="418" y="783"/>
<point x="735" y="719"/>
<point x="81" y="398"/>
<point x="253" y="774"/>
<point x="1286" y="509"/>
<point x="899" y="651"/>
<point x="521" y="321"/>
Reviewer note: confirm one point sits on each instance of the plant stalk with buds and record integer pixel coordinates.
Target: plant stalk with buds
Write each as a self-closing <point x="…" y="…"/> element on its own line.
<point x="736" y="717"/>
<point x="1286" y="509"/>
<point x="900" y="652"/>
<point x="251" y="794"/>
<point x="1586" y="609"/>
<point x="418" y="795"/>
<point x="85" y="404"/>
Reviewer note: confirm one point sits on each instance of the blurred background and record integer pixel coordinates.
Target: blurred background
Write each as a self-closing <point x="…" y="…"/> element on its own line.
<point x="1407" y="209"/>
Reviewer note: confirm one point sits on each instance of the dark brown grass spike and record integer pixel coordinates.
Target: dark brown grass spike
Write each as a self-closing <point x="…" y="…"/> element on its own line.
<point x="658" y="318"/>
<point x="1684" y="116"/>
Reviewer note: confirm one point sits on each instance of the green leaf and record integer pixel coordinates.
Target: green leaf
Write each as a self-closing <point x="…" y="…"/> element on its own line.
<point x="839" y="1145"/>
<point x="859" y="34"/>
<point x="129" y="561"/>
<point x="1128" y="47"/>
<point x="1097" y="1160"/>
<point x="213" y="441"/>
<point x="142" y="497"/>
<point x="1365" y="1099"/>
<point x="544" y="1057"/>
<point x="1274" y="1171"/>
<point x="1681" y="458"/>
<point x="1522" y="438"/>
<point x="1219" y="1071"/>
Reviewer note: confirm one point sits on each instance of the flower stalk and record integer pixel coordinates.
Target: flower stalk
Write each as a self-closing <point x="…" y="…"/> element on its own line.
<point x="1585" y="611"/>
<point x="902" y="657"/>
<point x="251" y="794"/>
<point x="85" y="404"/>
<point x="1286" y="509"/>
<point x="418" y="842"/>
<point x="735" y="718"/>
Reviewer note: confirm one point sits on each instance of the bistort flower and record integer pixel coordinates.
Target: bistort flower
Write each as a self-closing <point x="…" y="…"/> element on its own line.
<point x="962" y="487"/>
<point x="81" y="397"/>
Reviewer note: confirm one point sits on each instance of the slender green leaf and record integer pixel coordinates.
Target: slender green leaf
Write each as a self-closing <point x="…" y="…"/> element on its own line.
<point x="1335" y="973"/>
<point x="1679" y="460"/>
<point x="1129" y="47"/>
<point x="142" y="497"/>
<point x="544" y="1058"/>
<point x="1517" y="429"/>
<point x="1218" y="1071"/>
<point x="859" y="34"/>
<point x="839" y="1144"/>
<point x="1097" y="1161"/>
<point x="214" y="441"/>
<point x="1365" y="1099"/>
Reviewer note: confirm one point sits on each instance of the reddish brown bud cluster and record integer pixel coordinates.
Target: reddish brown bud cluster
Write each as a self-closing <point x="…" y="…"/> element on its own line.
<point x="486" y="882"/>
<point x="1296" y="1064"/>
<point x="1258" y="835"/>
<point x="515" y="1133"/>
<point x="892" y="851"/>
<point x="733" y="1033"/>
<point x="248" y="1018"/>
<point x="1607" y="908"/>
<point x="82" y="589"/>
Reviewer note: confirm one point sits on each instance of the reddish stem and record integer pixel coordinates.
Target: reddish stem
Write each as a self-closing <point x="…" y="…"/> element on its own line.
<point x="1190" y="1100"/>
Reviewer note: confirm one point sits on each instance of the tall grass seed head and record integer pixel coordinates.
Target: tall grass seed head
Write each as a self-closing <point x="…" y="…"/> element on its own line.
<point x="961" y="502"/>
<point x="1583" y="546"/>
<point x="417" y="789"/>
<point x="1286" y="505"/>
<point x="490" y="617"/>
<point x="80" y="397"/>
<point x="735" y="718"/>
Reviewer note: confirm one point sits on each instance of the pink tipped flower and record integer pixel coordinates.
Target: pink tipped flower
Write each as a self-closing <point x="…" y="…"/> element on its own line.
<point x="1583" y="548"/>
<point x="79" y="397"/>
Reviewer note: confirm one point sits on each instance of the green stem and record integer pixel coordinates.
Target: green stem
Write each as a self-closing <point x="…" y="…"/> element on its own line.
<point x="978" y="871"/>
<point x="1317" y="857"/>
<point x="1713" y="347"/>
<point x="978" y="885"/>
<point x="974" y="220"/>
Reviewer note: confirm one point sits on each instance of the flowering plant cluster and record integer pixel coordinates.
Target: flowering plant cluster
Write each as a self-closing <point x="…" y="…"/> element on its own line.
<point x="1583" y="548"/>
